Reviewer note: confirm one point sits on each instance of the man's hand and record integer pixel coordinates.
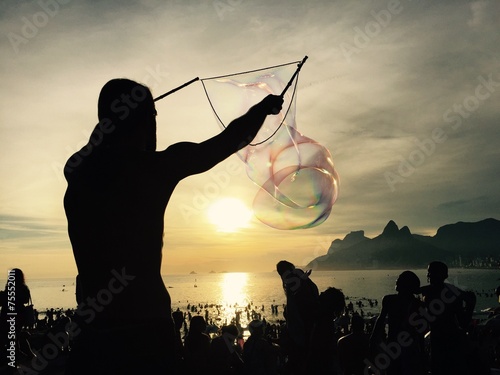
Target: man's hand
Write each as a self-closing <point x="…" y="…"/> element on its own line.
<point x="272" y="104"/>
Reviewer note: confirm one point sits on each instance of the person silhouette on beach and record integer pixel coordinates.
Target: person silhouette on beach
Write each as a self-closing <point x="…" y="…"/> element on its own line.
<point x="354" y="348"/>
<point x="260" y="357"/>
<point x="399" y="310"/>
<point x="223" y="356"/>
<point x="179" y="322"/>
<point x="302" y="304"/>
<point x="489" y="336"/>
<point x="449" y="313"/>
<point x="118" y="189"/>
<point x="322" y="356"/>
<point x="197" y="346"/>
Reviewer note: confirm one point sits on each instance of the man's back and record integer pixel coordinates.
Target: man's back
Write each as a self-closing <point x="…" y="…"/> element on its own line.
<point x="115" y="204"/>
<point x="353" y="349"/>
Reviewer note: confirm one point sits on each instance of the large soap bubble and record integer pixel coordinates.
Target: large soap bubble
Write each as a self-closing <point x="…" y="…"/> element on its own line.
<point x="297" y="179"/>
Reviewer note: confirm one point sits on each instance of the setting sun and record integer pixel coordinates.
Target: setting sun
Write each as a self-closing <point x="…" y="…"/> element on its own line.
<point x="229" y="214"/>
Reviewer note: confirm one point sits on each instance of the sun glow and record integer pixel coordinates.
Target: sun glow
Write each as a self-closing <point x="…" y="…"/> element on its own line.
<point x="233" y="288"/>
<point x="229" y="214"/>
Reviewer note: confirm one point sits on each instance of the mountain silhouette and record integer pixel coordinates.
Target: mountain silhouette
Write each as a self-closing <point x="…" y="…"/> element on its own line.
<point x="399" y="248"/>
<point x="349" y="240"/>
<point x="481" y="238"/>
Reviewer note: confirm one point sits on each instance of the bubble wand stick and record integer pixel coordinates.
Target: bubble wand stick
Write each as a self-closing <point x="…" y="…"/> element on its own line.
<point x="276" y="111"/>
<point x="299" y="66"/>
<point x="176" y="89"/>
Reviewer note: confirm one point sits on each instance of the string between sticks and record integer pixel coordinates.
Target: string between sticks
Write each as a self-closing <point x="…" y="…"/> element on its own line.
<point x="282" y="121"/>
<point x="250" y="71"/>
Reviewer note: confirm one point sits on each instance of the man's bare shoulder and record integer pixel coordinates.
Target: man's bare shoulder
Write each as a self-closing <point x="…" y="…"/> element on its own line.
<point x="389" y="299"/>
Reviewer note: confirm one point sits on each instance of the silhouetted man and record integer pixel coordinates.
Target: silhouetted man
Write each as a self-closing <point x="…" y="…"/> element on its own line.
<point x="398" y="311"/>
<point x="302" y="304"/>
<point x="118" y="190"/>
<point x="354" y="348"/>
<point x="322" y="356"/>
<point x="449" y="312"/>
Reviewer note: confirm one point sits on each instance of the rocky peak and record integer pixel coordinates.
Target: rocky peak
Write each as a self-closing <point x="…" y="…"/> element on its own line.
<point x="405" y="232"/>
<point x="391" y="229"/>
<point x="354" y="237"/>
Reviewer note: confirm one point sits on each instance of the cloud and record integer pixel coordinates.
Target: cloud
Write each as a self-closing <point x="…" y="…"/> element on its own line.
<point x="458" y="204"/>
<point x="21" y="227"/>
<point x="408" y="76"/>
<point x="483" y="13"/>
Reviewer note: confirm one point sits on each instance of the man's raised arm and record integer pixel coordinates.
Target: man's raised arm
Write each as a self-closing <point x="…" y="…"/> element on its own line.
<point x="238" y="134"/>
<point x="241" y="131"/>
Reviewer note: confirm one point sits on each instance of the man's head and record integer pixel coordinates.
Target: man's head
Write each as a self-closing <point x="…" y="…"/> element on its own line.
<point x="178" y="317"/>
<point x="284" y="266"/>
<point x="230" y="330"/>
<point x="357" y="324"/>
<point x="408" y="282"/>
<point x="197" y="325"/>
<point x="130" y="108"/>
<point x="437" y="272"/>
<point x="257" y="328"/>
<point x="332" y="302"/>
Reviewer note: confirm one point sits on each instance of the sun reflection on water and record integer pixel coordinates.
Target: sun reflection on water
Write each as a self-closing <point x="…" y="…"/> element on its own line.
<point x="234" y="299"/>
<point x="233" y="287"/>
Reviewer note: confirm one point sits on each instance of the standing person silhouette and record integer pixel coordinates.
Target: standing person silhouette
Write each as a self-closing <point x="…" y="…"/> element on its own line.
<point x="302" y="305"/>
<point x="118" y="189"/>
<point x="449" y="312"/>
<point x="322" y="356"/>
<point x="400" y="310"/>
<point x="354" y="348"/>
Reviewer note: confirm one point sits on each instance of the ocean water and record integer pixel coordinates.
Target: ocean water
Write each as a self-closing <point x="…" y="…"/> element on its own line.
<point x="233" y="291"/>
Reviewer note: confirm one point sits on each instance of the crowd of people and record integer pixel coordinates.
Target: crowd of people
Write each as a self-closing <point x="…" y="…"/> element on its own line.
<point x="420" y="330"/>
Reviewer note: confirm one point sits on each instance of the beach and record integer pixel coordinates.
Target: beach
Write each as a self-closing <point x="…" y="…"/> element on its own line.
<point x="242" y="289"/>
<point x="239" y="298"/>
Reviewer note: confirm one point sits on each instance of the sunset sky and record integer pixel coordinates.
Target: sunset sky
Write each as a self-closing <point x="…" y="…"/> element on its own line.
<point x="404" y="94"/>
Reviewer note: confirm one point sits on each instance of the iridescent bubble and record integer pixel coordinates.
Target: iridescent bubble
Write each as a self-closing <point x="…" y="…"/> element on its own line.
<point x="231" y="96"/>
<point x="302" y="187"/>
<point x="297" y="179"/>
